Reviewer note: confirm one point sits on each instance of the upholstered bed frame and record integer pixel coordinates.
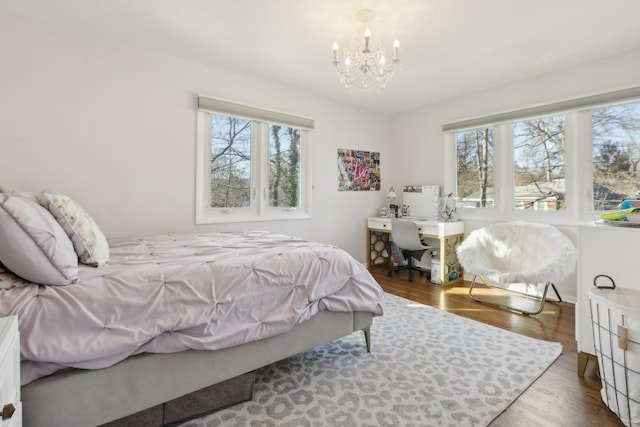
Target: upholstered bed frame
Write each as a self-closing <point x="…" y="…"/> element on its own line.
<point x="82" y="398"/>
<point x="88" y="302"/>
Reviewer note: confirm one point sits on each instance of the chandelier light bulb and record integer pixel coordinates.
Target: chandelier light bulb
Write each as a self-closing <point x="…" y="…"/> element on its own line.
<point x="370" y="69"/>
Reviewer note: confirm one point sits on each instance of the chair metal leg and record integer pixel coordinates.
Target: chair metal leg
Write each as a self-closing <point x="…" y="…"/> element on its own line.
<point x="542" y="299"/>
<point x="558" y="297"/>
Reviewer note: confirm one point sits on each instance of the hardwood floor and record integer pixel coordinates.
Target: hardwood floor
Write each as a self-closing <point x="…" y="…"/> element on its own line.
<point x="559" y="397"/>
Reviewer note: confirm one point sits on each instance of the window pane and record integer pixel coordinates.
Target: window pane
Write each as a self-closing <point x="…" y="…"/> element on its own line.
<point x="230" y="162"/>
<point x="616" y="155"/>
<point x="539" y="164"/>
<point x="284" y="166"/>
<point x="475" y="168"/>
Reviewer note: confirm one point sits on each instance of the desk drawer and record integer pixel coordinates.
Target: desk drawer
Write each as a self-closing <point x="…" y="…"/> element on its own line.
<point x="379" y="224"/>
<point x="429" y="227"/>
<point x="440" y="228"/>
<point x="432" y="229"/>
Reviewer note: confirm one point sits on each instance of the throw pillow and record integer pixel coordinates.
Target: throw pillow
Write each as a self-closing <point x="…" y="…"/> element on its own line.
<point x="88" y="240"/>
<point x="32" y="243"/>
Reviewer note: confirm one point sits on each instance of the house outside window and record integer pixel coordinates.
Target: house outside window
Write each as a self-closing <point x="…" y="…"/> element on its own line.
<point x="616" y="155"/>
<point x="579" y="159"/>
<point x="538" y="164"/>
<point x="252" y="164"/>
<point x="475" y="168"/>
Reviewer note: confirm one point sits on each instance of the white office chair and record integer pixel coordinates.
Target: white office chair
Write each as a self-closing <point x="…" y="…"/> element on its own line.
<point x="520" y="258"/>
<point x="406" y="236"/>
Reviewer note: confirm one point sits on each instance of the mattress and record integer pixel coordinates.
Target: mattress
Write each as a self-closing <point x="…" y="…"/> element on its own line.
<point x="170" y="293"/>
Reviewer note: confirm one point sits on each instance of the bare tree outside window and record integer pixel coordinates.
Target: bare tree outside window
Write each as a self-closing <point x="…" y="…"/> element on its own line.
<point x="248" y="167"/>
<point x="539" y="158"/>
<point x="616" y="155"/>
<point x="231" y="142"/>
<point x="539" y="164"/>
<point x="230" y="162"/>
<point x="284" y="162"/>
<point x="475" y="168"/>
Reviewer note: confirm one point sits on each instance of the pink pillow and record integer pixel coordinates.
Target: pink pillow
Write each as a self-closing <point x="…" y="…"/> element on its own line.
<point x="32" y="243"/>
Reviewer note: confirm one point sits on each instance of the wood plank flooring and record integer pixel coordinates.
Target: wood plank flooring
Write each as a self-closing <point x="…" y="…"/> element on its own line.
<point x="559" y="397"/>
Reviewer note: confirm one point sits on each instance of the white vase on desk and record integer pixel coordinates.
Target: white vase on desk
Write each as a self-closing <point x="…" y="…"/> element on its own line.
<point x="448" y="209"/>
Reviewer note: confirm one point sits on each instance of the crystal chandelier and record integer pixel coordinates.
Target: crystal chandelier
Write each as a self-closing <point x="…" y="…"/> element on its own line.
<point x="365" y="66"/>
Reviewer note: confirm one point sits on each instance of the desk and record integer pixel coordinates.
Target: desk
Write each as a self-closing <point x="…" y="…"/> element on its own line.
<point x="448" y="235"/>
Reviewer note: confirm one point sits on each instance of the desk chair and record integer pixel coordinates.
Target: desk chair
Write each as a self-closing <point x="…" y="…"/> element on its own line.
<point x="406" y="236"/>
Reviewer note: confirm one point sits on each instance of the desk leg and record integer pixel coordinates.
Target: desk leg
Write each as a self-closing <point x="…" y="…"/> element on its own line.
<point x="368" y="252"/>
<point x="449" y="258"/>
<point x="444" y="269"/>
<point x="378" y="247"/>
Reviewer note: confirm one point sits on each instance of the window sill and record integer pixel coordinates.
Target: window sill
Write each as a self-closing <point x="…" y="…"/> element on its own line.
<point x="231" y="218"/>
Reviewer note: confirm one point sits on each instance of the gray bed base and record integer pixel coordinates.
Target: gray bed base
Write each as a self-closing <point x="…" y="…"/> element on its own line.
<point x="85" y="398"/>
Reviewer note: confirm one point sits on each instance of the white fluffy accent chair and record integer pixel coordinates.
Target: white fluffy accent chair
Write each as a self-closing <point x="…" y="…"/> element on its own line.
<point x="506" y="255"/>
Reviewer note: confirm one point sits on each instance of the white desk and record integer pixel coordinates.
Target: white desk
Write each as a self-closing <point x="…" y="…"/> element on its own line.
<point x="448" y="234"/>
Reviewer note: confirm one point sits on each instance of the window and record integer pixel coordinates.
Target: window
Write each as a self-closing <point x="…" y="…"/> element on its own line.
<point x="538" y="164"/>
<point x="230" y="162"/>
<point x="253" y="164"/>
<point x="616" y="155"/>
<point x="284" y="166"/>
<point x="475" y="168"/>
<point x="563" y="162"/>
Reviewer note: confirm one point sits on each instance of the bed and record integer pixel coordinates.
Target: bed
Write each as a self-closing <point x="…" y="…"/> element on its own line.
<point x="147" y="320"/>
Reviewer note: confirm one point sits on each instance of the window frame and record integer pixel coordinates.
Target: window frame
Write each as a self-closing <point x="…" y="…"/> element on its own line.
<point x="504" y="180"/>
<point x="578" y="158"/>
<point x="261" y="120"/>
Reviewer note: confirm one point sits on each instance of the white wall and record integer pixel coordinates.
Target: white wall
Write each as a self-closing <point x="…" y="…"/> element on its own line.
<point x="113" y="126"/>
<point x="419" y="138"/>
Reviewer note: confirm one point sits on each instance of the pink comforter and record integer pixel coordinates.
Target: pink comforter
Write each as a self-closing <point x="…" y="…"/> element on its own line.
<point x="170" y="293"/>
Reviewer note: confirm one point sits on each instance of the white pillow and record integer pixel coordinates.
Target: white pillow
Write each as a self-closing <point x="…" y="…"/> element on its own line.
<point x="88" y="240"/>
<point x="33" y="245"/>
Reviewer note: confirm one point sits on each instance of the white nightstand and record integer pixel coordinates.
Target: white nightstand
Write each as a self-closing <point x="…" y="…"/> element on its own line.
<point x="10" y="404"/>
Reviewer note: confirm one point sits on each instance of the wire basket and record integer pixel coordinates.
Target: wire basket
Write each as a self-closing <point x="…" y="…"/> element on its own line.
<point x="615" y="315"/>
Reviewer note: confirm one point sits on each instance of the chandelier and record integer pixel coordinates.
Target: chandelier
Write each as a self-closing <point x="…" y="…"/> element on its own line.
<point x="365" y="66"/>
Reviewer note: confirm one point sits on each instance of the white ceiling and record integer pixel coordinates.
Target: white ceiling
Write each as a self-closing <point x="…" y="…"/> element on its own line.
<point x="448" y="47"/>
